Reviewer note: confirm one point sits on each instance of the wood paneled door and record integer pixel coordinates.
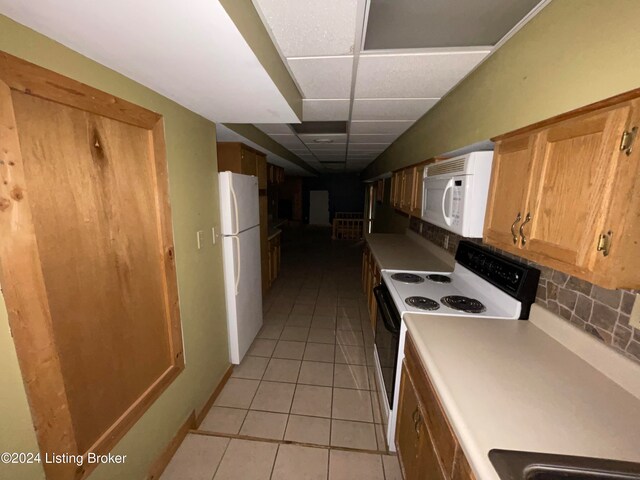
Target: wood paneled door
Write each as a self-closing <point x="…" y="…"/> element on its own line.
<point x="86" y="259"/>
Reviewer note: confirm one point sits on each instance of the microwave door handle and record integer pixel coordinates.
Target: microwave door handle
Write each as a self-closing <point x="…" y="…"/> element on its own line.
<point x="449" y="186"/>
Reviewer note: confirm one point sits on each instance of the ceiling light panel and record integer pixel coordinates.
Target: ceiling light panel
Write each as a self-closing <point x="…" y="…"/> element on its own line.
<point x="391" y="109"/>
<point x="415" y="75"/>
<point x="277" y="128"/>
<point x="323" y="77"/>
<point x="327" y="138"/>
<point x="311" y="27"/>
<point x="379" y="127"/>
<point x="318" y="110"/>
<point x="370" y="147"/>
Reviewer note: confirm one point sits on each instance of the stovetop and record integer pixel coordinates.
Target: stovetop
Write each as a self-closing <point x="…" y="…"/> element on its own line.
<point x="482" y="299"/>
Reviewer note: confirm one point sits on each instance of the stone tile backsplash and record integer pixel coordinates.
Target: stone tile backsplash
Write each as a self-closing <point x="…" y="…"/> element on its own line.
<point x="602" y="313"/>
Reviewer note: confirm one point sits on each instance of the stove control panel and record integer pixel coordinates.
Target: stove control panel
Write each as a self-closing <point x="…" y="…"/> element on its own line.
<point x="517" y="279"/>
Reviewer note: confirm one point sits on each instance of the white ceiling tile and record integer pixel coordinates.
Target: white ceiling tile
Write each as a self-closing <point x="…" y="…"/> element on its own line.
<point x="336" y="138"/>
<point x="379" y="127"/>
<point x="311" y="27"/>
<point x="415" y="75"/>
<point x="277" y="128"/>
<point x="372" y="138"/>
<point x="328" y="148"/>
<point x="391" y="108"/>
<point x="368" y="147"/>
<point x="323" y="77"/>
<point x="320" y="110"/>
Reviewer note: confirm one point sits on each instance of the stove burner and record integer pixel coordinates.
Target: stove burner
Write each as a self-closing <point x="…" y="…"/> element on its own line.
<point x="422" y="303"/>
<point x="465" y="304"/>
<point x="407" y="278"/>
<point x="437" y="278"/>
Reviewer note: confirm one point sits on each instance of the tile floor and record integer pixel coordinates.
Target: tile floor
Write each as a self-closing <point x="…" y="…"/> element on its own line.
<point x="303" y="402"/>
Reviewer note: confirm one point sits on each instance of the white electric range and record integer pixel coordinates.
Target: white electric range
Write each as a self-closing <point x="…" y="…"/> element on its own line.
<point x="482" y="284"/>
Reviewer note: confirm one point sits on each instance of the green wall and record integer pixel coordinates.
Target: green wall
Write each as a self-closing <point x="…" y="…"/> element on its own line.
<point x="192" y="160"/>
<point x="574" y="52"/>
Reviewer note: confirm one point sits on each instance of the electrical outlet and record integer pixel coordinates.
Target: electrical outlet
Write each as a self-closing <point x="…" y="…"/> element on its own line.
<point x="199" y="235"/>
<point x="634" y="321"/>
<point x="446" y="242"/>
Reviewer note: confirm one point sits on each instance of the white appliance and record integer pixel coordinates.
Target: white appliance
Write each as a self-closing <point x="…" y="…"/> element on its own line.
<point x="483" y="284"/>
<point x="455" y="193"/>
<point x="240" y="231"/>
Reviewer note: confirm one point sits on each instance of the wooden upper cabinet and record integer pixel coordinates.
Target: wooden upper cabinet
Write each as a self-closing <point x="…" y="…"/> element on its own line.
<point x="510" y="180"/>
<point x="408" y="188"/>
<point x="575" y="188"/>
<point x="416" y="197"/>
<point x="261" y="170"/>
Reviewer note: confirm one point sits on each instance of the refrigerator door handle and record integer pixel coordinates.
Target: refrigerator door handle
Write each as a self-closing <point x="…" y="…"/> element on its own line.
<point x="237" y="239"/>
<point x="235" y="205"/>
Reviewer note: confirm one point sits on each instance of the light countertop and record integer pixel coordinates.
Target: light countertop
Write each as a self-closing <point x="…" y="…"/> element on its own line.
<point x="408" y="253"/>
<point x="507" y="384"/>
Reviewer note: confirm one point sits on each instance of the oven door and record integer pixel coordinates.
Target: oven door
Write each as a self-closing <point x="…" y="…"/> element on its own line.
<point x="387" y="338"/>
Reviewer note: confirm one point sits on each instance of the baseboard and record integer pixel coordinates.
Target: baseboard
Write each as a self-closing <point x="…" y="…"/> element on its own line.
<point x="167" y="454"/>
<point x="214" y="395"/>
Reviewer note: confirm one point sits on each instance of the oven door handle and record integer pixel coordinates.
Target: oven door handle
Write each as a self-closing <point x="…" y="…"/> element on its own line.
<point x="387" y="317"/>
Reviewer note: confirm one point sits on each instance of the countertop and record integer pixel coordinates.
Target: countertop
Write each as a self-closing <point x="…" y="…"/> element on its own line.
<point x="407" y="252"/>
<point x="507" y="384"/>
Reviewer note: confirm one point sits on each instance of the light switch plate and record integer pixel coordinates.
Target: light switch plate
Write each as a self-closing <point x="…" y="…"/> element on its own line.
<point x="213" y="234"/>
<point x="634" y="321"/>
<point x="199" y="234"/>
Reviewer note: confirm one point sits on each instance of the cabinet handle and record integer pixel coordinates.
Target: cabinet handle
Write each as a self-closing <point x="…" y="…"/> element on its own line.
<point x="527" y="219"/>
<point x="513" y="228"/>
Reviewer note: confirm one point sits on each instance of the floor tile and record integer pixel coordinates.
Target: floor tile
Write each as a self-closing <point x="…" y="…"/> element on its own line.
<point x="375" y="405"/>
<point x="355" y="466"/>
<point x="264" y="425"/>
<point x="297" y="334"/>
<point x="322" y="335"/>
<point x="251" y="367"/>
<point x="325" y="308"/>
<point x="312" y="400"/>
<point x="282" y="370"/>
<point x="294" y="462"/>
<point x="323" y="321"/>
<point x="344" y="323"/>
<point x="349" y="337"/>
<point x="262" y="347"/>
<point x="223" y="420"/>
<point x="308" y="430"/>
<point x="196" y="459"/>
<point x="270" y="331"/>
<point x="352" y="405"/>
<point x="290" y="350"/>
<point x="238" y="393"/>
<point x="319" y="352"/>
<point x="349" y="434"/>
<point x="372" y="377"/>
<point x="316" y="373"/>
<point x="273" y="397"/>
<point x="381" y="437"/>
<point x="370" y="356"/>
<point x="247" y="460"/>
<point x="302" y="309"/>
<point x="391" y="467"/>
<point x="351" y="354"/>
<point x="281" y="307"/>
<point x="297" y="320"/>
<point x="351" y="376"/>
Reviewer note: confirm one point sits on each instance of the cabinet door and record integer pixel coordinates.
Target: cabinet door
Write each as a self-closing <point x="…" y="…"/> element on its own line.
<point x="416" y="201"/>
<point x="407" y="440"/>
<point x="408" y="189"/>
<point x="508" y="192"/>
<point x="248" y="162"/>
<point x="264" y="242"/>
<point x="261" y="170"/>
<point x="572" y="178"/>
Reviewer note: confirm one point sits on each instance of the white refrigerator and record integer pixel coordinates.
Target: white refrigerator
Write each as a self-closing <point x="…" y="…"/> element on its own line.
<point x="240" y="231"/>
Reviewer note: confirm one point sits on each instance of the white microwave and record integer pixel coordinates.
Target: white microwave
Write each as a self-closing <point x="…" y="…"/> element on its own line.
<point x="455" y="193"/>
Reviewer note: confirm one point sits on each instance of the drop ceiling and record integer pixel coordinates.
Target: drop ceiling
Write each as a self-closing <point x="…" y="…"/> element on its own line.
<point x="379" y="65"/>
<point x="190" y="52"/>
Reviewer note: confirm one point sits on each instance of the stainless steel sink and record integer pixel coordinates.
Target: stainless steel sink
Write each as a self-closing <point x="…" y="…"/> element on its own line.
<point x="515" y="465"/>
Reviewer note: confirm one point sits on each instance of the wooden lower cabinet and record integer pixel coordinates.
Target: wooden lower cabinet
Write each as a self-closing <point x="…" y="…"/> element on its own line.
<point x="274" y="258"/>
<point x="427" y="447"/>
<point x="371" y="278"/>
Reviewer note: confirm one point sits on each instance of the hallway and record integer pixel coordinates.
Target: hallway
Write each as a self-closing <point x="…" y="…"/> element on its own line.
<point x="303" y="403"/>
